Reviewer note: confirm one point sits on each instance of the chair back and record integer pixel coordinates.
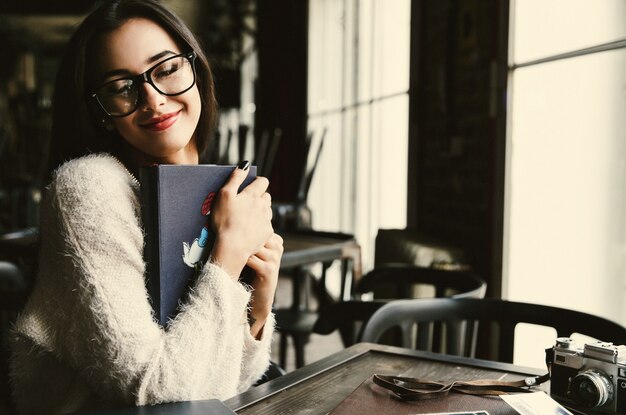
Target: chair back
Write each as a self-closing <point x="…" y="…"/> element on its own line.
<point x="13" y="294"/>
<point x="349" y="317"/>
<point x="395" y="281"/>
<point x="461" y="316"/>
<point x="13" y="286"/>
<point x="398" y="281"/>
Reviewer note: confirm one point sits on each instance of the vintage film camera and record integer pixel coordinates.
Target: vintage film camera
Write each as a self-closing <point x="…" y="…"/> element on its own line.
<point x="592" y="375"/>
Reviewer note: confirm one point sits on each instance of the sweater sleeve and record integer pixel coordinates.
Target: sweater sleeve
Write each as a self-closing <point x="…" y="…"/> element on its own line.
<point x="103" y="323"/>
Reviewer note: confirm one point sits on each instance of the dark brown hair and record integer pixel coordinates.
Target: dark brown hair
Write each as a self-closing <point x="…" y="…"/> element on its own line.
<point x="77" y="127"/>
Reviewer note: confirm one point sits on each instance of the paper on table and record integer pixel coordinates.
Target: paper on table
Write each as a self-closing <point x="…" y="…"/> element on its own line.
<point x="536" y="403"/>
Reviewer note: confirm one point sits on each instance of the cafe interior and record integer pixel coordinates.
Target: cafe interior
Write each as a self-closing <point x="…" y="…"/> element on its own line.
<point x="448" y="178"/>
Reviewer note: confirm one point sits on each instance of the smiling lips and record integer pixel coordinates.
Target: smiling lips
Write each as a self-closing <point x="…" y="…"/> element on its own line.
<point x="163" y="122"/>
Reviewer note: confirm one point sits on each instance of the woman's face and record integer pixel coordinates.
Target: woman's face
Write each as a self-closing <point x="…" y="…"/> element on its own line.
<point x="161" y="129"/>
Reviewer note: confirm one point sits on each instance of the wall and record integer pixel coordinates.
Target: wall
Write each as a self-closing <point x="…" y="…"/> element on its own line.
<point x="456" y="130"/>
<point x="281" y="93"/>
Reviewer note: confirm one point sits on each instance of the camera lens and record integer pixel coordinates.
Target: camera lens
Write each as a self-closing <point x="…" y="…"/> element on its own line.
<point x="591" y="389"/>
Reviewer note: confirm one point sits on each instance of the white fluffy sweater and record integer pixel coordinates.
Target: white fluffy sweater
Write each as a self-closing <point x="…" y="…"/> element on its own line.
<point x="87" y="337"/>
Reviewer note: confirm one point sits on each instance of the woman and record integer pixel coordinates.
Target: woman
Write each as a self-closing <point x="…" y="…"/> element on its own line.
<point x="135" y="89"/>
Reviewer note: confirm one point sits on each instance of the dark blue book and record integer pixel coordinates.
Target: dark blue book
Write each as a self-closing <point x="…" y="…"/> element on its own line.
<point x="176" y="202"/>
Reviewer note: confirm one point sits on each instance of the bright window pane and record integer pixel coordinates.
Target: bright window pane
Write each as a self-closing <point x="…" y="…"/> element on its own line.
<point x="334" y="54"/>
<point x="325" y="196"/>
<point x="358" y="83"/>
<point x="567" y="243"/>
<point x="392" y="143"/>
<point x="316" y="62"/>
<point x="325" y="56"/>
<point x="365" y="50"/>
<point x="548" y="27"/>
<point x="392" y="44"/>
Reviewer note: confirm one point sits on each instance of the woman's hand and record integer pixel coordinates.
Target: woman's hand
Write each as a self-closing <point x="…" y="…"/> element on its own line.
<point x="242" y="221"/>
<point x="265" y="264"/>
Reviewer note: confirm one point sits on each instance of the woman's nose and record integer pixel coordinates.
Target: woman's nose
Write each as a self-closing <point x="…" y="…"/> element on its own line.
<point x="151" y="98"/>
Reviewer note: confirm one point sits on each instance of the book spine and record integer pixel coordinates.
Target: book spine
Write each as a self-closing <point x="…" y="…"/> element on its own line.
<point x="150" y="217"/>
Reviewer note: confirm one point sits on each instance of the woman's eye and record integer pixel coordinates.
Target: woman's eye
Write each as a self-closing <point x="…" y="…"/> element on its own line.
<point x="120" y="88"/>
<point x="167" y="70"/>
<point x="125" y="90"/>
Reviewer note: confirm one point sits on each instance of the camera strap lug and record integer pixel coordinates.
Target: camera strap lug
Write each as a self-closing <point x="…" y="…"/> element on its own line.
<point x="536" y="380"/>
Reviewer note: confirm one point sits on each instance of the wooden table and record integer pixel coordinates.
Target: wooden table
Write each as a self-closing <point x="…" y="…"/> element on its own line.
<point x="321" y="386"/>
<point x="310" y="247"/>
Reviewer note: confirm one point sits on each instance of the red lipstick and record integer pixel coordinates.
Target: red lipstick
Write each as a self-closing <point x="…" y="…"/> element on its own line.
<point x="162" y="122"/>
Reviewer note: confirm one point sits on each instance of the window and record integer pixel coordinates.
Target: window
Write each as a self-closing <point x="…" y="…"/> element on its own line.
<point x="565" y="236"/>
<point x="358" y="92"/>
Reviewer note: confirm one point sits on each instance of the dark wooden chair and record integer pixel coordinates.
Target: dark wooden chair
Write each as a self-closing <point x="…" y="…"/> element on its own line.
<point x="13" y="291"/>
<point x="461" y="315"/>
<point x="393" y="281"/>
<point x="13" y="294"/>
<point x="389" y="282"/>
<point x="18" y="265"/>
<point x="297" y="321"/>
<point x="309" y="291"/>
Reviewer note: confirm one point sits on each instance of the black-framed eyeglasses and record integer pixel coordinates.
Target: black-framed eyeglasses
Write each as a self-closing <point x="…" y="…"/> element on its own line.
<point x="172" y="76"/>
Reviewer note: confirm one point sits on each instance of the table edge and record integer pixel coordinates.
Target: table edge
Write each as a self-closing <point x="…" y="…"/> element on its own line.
<point x="275" y="386"/>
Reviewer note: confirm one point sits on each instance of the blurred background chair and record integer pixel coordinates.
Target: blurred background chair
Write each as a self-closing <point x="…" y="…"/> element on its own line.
<point x="303" y="250"/>
<point x="13" y="293"/>
<point x="395" y="281"/>
<point x="21" y="247"/>
<point x="415" y="317"/>
<point x="408" y="246"/>
<point x="18" y="265"/>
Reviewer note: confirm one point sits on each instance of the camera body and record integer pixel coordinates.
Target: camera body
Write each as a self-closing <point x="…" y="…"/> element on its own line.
<point x="591" y="375"/>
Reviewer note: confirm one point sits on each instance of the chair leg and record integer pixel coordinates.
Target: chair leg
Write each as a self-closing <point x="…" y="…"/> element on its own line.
<point x="299" y="341"/>
<point x="347" y="334"/>
<point x="283" y="350"/>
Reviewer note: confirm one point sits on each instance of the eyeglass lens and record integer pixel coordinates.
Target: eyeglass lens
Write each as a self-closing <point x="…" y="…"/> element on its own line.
<point x="173" y="76"/>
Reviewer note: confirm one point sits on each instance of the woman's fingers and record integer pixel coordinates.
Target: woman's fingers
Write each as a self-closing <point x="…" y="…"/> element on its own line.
<point x="274" y="243"/>
<point x="258" y="265"/>
<point x="258" y="187"/>
<point x="270" y="253"/>
<point x="267" y="259"/>
<point x="237" y="177"/>
<point x="242" y="222"/>
<point x="266" y="265"/>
